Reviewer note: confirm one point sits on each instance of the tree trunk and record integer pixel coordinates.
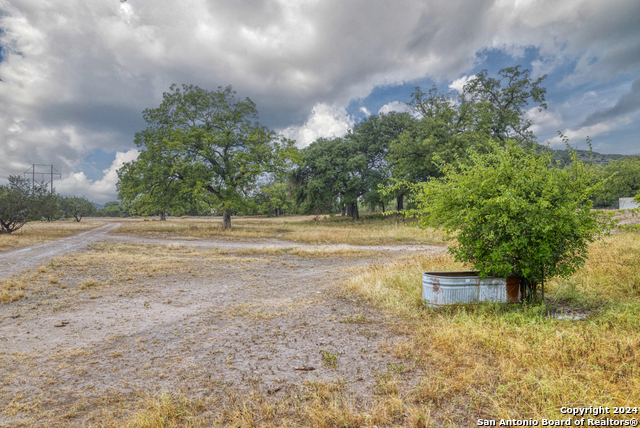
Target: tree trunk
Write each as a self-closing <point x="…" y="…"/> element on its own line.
<point x="382" y="203"/>
<point x="353" y="210"/>
<point x="163" y="216"/>
<point x="529" y="290"/>
<point x="342" y="210"/>
<point x="226" y="219"/>
<point x="400" y="203"/>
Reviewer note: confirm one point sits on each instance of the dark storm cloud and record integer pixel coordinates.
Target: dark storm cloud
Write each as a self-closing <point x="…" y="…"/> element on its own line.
<point x="125" y="121"/>
<point x="628" y="103"/>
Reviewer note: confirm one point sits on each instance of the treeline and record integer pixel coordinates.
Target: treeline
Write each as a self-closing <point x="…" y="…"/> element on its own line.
<point x="203" y="152"/>
<point x="372" y="164"/>
<point x="205" y="148"/>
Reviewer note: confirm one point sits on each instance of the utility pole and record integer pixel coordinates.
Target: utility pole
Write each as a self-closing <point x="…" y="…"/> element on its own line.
<point x="34" y="171"/>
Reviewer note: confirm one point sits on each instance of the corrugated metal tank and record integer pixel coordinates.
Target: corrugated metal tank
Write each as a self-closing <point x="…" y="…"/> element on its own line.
<point x="446" y="288"/>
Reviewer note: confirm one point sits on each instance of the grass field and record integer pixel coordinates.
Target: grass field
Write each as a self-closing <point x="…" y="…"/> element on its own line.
<point x="452" y="366"/>
<point x="369" y="230"/>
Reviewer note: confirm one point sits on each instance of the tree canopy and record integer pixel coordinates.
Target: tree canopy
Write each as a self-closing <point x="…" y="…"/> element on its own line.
<point x="77" y="207"/>
<point x="202" y="145"/>
<point x="497" y="104"/>
<point x="623" y="181"/>
<point x="331" y="173"/>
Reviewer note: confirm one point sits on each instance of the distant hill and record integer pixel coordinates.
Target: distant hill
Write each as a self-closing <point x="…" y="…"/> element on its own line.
<point x="564" y="157"/>
<point x="98" y="206"/>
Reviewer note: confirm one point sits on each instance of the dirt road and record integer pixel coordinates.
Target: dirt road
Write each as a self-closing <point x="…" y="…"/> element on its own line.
<point x="30" y="257"/>
<point x="95" y="331"/>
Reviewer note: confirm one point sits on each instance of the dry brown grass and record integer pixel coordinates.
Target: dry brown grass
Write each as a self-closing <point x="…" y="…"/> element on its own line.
<point x="512" y="361"/>
<point x="611" y="273"/>
<point x="329" y="230"/>
<point x="312" y="404"/>
<point x="11" y="289"/>
<point x="39" y="232"/>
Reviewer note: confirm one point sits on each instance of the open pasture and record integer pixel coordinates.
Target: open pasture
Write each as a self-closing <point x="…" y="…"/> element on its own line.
<point x="160" y="324"/>
<point x="322" y="229"/>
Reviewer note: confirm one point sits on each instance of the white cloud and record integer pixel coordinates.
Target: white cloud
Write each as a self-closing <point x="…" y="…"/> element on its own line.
<point x="398" y="106"/>
<point x="458" y="84"/>
<point x="365" y="111"/>
<point x="544" y="121"/>
<point x="324" y="121"/>
<point x="100" y="191"/>
<point x="580" y="134"/>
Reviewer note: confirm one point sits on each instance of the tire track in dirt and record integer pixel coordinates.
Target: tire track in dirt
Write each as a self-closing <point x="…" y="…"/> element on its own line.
<point x="26" y="258"/>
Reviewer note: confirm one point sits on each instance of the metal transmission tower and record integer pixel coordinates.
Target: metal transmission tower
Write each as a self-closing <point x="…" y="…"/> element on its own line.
<point x="33" y="172"/>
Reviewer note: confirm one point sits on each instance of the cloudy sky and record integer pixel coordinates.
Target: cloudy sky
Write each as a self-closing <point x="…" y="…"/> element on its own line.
<point x="76" y="74"/>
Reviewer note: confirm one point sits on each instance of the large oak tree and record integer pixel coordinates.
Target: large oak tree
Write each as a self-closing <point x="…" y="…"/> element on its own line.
<point x="205" y="146"/>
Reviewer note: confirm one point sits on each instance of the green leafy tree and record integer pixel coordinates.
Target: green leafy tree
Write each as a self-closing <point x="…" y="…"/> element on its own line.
<point x="373" y="137"/>
<point x="275" y="199"/>
<point x="496" y="105"/>
<point x="340" y="172"/>
<point x="208" y="146"/>
<point x="489" y="108"/>
<point x="49" y="206"/>
<point x="623" y="181"/>
<point x="113" y="209"/>
<point x="333" y="172"/>
<point x="77" y="208"/>
<point x="443" y="134"/>
<point x="514" y="213"/>
<point x="151" y="185"/>
<point x="20" y="203"/>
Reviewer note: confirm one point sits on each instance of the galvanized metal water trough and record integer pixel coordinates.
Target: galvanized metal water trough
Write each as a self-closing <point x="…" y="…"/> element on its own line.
<point x="446" y="288"/>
